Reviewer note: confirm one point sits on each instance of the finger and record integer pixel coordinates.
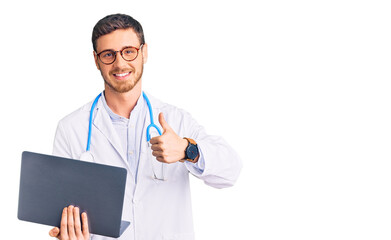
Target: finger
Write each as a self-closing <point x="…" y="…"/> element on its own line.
<point x="76" y="219"/>
<point x="163" y="123"/>
<point x="86" y="231"/>
<point x="54" y="232"/>
<point x="64" y="223"/>
<point x="71" y="224"/>
<point x="157" y="153"/>
<point x="156" y="147"/>
<point x="155" y="140"/>
<point x="161" y="159"/>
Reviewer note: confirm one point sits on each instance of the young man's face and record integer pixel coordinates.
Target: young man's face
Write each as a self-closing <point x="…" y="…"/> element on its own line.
<point x="121" y="76"/>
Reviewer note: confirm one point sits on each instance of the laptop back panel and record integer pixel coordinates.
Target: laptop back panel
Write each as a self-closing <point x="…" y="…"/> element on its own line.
<point x="49" y="183"/>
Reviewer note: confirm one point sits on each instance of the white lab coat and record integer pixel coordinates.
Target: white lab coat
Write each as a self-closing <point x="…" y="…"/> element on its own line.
<point x="156" y="209"/>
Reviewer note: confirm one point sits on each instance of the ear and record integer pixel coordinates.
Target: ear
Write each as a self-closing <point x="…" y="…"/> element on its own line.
<point x="96" y="60"/>
<point x="144" y="51"/>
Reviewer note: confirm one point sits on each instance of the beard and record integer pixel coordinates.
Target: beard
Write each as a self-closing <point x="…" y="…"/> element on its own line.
<point x="123" y="86"/>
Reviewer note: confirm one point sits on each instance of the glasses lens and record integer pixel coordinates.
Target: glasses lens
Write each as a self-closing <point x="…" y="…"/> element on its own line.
<point x="107" y="56"/>
<point x="129" y="53"/>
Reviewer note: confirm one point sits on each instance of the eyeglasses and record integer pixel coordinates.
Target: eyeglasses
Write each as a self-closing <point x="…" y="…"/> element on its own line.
<point x="128" y="54"/>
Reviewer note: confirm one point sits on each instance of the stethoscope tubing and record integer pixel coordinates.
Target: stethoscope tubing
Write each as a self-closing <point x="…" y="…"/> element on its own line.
<point x="90" y="122"/>
<point x="151" y="118"/>
<point x="152" y="124"/>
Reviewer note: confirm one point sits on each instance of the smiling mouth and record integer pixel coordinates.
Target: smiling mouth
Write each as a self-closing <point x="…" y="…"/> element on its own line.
<point x="121" y="74"/>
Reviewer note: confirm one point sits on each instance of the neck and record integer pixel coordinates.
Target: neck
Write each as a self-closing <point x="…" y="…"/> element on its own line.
<point x="122" y="104"/>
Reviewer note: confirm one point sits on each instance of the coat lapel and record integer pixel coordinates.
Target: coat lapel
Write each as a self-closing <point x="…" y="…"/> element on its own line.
<point x="103" y="123"/>
<point x="147" y="162"/>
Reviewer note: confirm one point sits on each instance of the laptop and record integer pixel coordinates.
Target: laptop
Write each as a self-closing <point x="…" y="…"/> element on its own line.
<point x="49" y="183"/>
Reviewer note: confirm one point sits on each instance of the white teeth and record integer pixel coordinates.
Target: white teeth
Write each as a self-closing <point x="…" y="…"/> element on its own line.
<point x="122" y="74"/>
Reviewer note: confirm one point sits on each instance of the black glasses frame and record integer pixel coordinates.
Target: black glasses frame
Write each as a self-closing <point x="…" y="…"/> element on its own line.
<point x="120" y="51"/>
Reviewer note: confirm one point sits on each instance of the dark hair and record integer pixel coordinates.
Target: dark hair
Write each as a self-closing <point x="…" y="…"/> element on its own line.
<point x="113" y="22"/>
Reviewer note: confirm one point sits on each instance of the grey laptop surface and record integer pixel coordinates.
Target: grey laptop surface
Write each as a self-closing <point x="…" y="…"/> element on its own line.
<point x="49" y="183"/>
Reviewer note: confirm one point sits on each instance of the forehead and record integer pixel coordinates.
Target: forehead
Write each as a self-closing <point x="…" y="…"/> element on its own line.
<point x="117" y="40"/>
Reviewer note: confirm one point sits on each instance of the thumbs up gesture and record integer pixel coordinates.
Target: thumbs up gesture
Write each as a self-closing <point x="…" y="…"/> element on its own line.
<point x="168" y="147"/>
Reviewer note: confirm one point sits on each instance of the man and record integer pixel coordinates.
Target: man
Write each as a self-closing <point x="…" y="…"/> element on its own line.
<point x="157" y="199"/>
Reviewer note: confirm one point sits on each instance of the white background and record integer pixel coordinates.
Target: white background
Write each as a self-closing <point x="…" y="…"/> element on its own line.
<point x="301" y="89"/>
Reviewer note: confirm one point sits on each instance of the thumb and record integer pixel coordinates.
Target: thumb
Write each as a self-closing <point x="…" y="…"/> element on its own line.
<point x="163" y="123"/>
<point x="54" y="232"/>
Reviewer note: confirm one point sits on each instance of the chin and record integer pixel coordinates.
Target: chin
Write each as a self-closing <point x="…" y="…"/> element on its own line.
<point x="122" y="87"/>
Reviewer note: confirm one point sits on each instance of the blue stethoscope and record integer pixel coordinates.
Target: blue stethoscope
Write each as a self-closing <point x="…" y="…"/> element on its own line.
<point x="87" y="155"/>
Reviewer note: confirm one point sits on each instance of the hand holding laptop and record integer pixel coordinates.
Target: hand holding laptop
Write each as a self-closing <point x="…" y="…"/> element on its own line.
<point x="71" y="227"/>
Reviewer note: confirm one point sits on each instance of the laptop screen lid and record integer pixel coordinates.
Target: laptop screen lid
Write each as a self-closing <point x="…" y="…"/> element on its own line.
<point x="49" y="183"/>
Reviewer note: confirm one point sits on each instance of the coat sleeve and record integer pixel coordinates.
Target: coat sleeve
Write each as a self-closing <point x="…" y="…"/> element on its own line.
<point x="61" y="144"/>
<point x="220" y="164"/>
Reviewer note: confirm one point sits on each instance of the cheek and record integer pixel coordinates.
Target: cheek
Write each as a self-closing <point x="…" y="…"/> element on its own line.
<point x="104" y="70"/>
<point x="138" y="66"/>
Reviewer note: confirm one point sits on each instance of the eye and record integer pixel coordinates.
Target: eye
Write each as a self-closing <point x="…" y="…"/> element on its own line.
<point x="129" y="51"/>
<point x="107" y="54"/>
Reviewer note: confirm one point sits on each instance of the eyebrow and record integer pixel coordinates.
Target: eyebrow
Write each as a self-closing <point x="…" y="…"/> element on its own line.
<point x="118" y="50"/>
